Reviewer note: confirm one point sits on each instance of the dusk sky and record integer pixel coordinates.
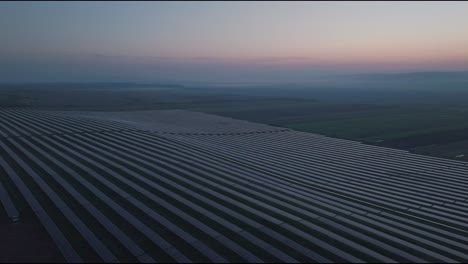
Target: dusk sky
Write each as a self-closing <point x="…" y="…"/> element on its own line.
<point x="227" y="41"/>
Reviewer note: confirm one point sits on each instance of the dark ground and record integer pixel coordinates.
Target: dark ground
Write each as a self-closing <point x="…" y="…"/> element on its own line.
<point x="26" y="241"/>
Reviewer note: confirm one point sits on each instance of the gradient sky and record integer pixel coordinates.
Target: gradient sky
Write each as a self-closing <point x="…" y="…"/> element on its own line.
<point x="227" y="41"/>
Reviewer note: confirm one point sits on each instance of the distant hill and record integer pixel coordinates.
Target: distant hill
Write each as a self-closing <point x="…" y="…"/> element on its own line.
<point x="413" y="76"/>
<point x="87" y="85"/>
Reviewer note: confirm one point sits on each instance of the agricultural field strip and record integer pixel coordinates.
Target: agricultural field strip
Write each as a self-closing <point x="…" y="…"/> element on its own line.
<point x="275" y="171"/>
<point x="118" y="133"/>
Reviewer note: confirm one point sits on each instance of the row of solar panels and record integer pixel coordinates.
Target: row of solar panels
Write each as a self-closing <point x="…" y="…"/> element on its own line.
<point x="417" y="186"/>
<point x="239" y="198"/>
<point x="83" y="125"/>
<point x="178" y="121"/>
<point x="54" y="198"/>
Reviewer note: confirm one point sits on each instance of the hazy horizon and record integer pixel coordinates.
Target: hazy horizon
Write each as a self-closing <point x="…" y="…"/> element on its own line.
<point x="227" y="42"/>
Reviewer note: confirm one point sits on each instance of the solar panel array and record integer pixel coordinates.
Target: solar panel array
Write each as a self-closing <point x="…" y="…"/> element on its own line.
<point x="181" y="122"/>
<point x="118" y="191"/>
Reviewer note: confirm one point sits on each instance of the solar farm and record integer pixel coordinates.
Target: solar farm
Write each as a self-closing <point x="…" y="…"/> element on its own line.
<point x="181" y="186"/>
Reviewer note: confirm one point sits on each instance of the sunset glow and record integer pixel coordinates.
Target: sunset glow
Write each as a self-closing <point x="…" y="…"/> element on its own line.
<point x="341" y="36"/>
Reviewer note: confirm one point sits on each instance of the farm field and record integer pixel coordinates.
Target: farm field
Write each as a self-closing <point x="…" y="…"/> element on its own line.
<point x="414" y="127"/>
<point x="184" y="186"/>
<point x="401" y="127"/>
